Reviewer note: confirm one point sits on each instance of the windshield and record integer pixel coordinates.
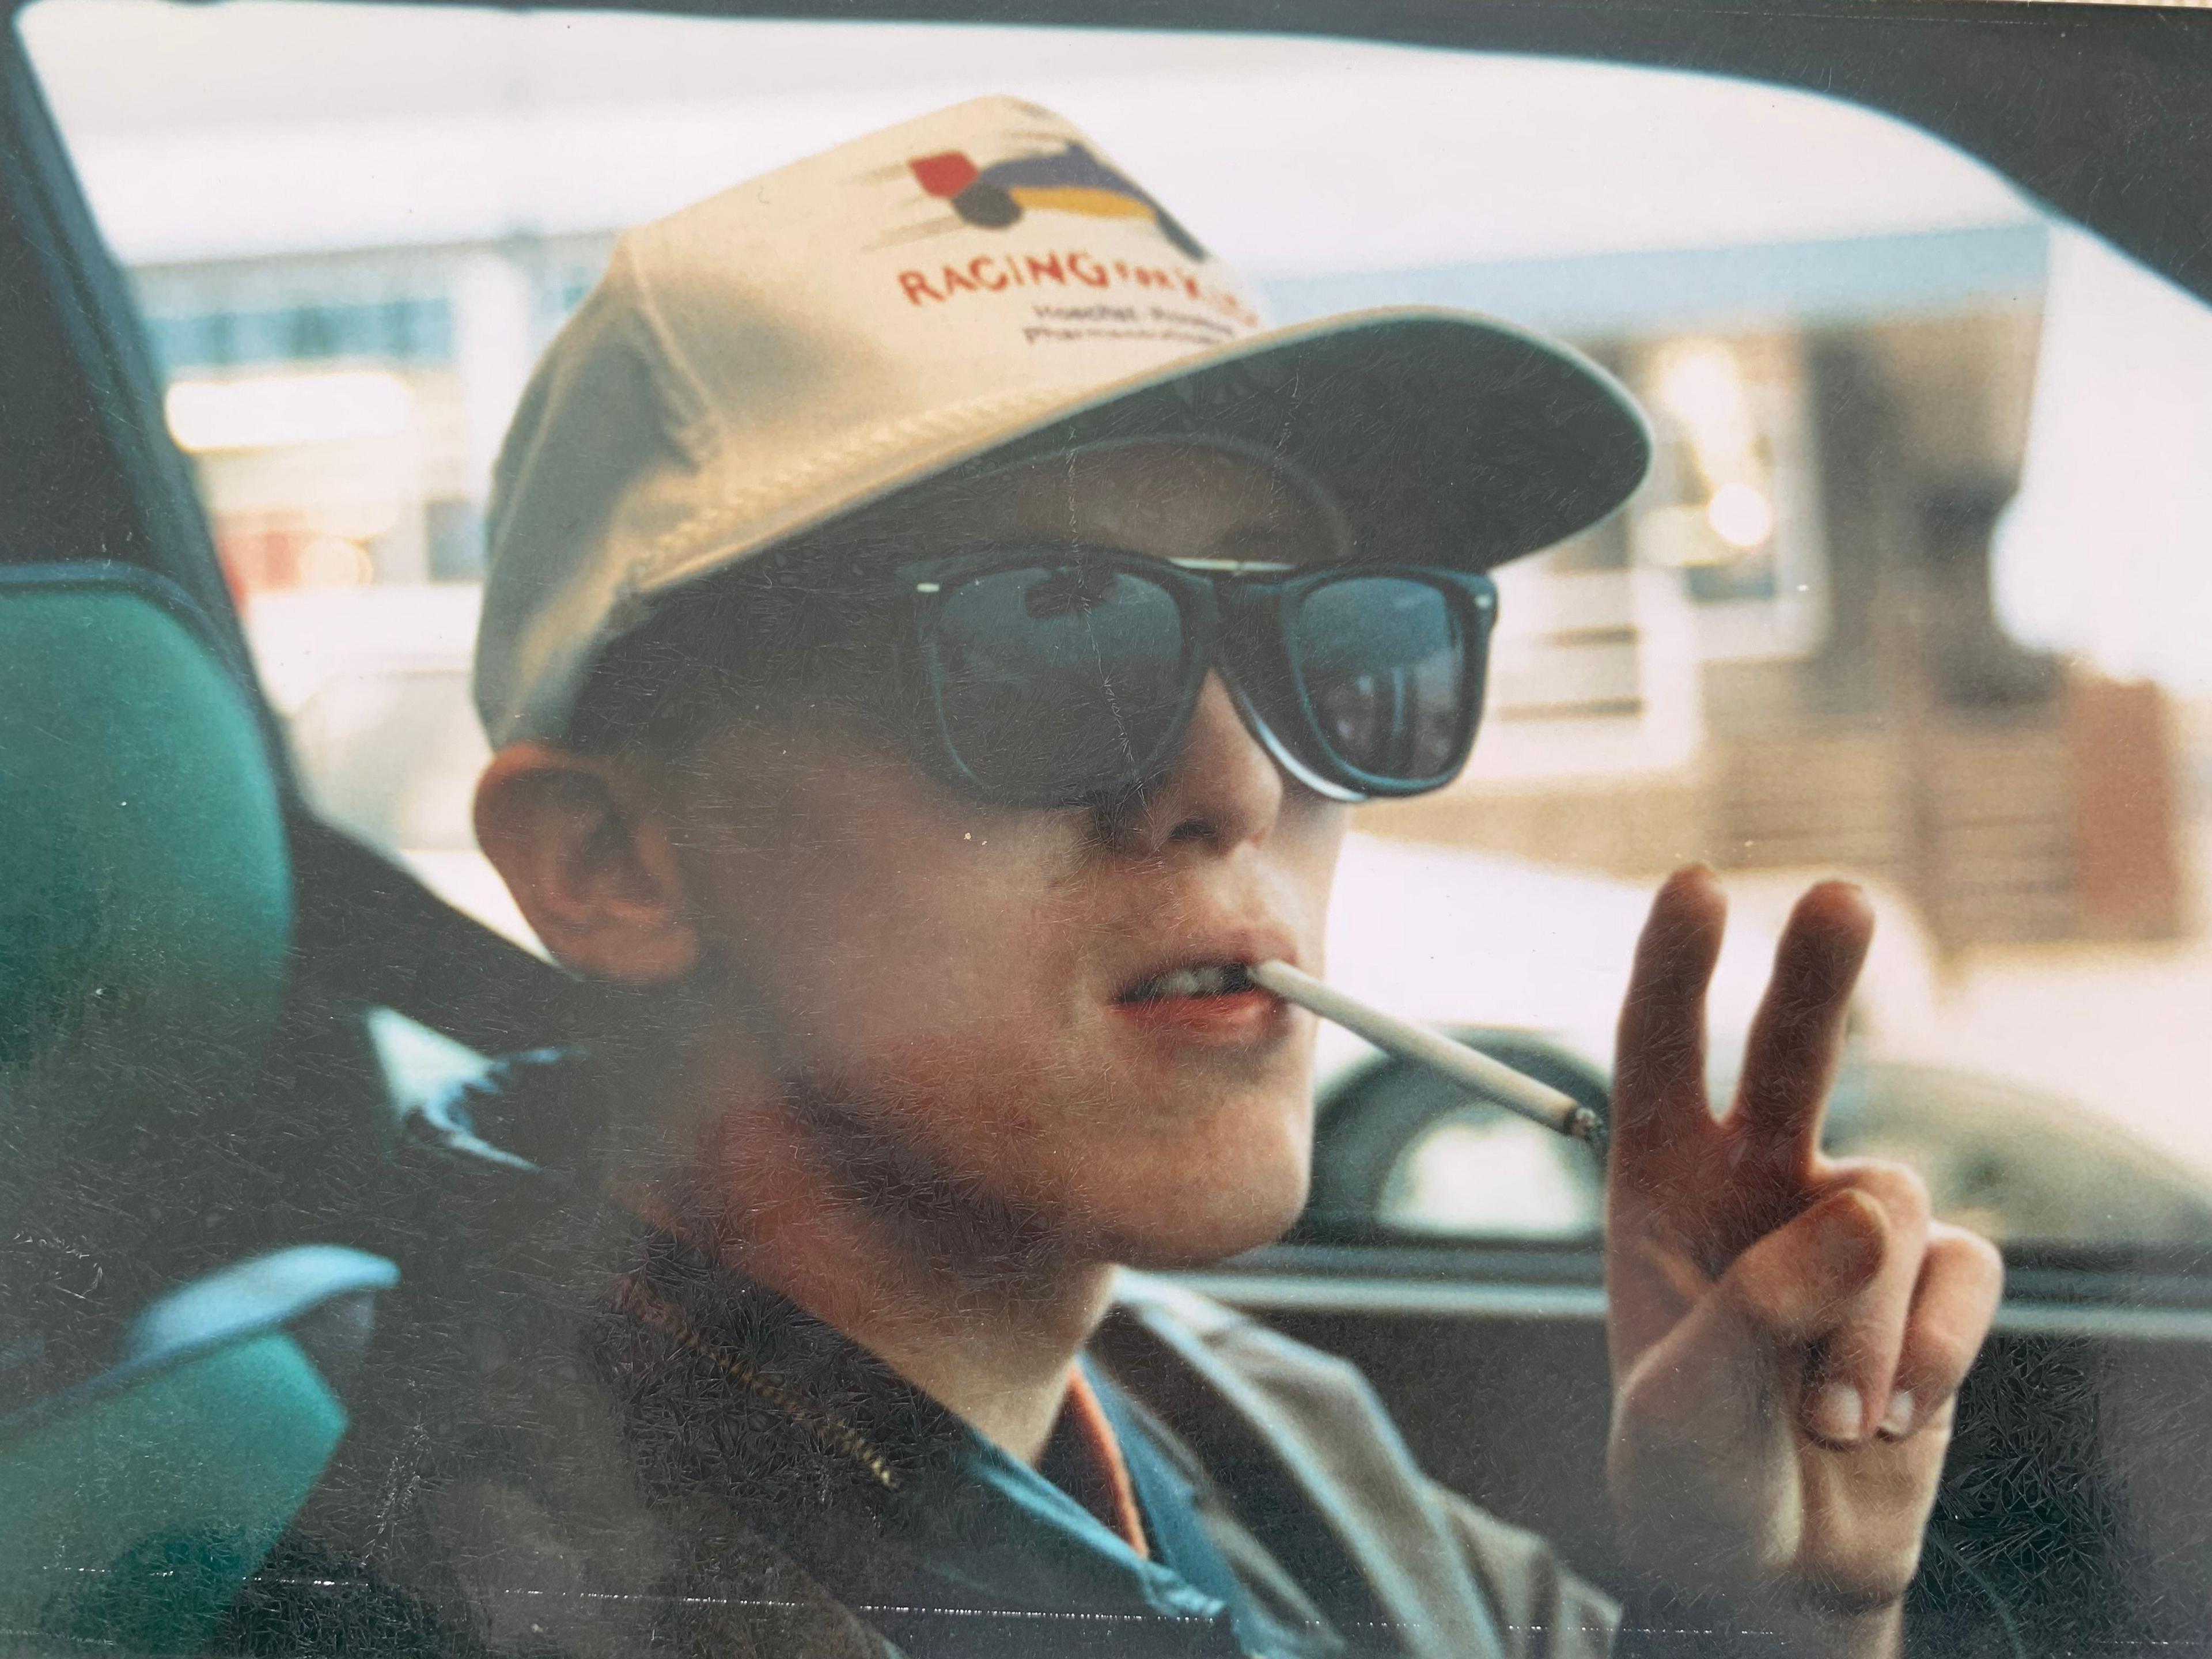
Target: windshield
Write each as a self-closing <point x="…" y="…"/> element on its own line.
<point x="1913" y="594"/>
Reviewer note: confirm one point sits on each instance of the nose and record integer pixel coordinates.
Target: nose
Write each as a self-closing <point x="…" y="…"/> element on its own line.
<point x="1223" y="791"/>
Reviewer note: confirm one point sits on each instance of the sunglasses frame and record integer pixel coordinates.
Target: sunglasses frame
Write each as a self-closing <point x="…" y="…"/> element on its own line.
<point x="1235" y="616"/>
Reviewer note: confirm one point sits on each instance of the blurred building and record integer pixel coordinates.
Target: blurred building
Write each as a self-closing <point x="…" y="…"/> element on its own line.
<point x="343" y="408"/>
<point x="1782" y="655"/>
<point x="1786" y="653"/>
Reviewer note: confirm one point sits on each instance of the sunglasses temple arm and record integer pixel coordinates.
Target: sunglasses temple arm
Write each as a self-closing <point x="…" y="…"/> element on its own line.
<point x="1492" y="1079"/>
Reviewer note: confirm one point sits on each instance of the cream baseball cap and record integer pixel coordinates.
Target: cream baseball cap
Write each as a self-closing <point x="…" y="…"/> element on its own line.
<point x="959" y="291"/>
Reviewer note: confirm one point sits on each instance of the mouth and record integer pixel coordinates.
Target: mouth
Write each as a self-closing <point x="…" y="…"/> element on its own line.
<point x="1203" y="979"/>
<point x="1211" y="1004"/>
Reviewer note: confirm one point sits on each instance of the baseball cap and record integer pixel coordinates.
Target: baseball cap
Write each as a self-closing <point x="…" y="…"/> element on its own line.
<point x="958" y="292"/>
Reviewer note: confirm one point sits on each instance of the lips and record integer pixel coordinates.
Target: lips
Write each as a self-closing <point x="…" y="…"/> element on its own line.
<point x="1211" y="1004"/>
<point x="1192" y="991"/>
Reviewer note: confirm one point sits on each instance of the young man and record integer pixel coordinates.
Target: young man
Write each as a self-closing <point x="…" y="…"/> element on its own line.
<point x="933" y="638"/>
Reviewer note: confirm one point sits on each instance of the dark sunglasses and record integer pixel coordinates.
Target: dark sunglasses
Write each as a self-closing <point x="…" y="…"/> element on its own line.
<point x="1068" y="677"/>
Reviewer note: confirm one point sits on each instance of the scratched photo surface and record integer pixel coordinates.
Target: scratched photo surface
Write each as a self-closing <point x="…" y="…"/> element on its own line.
<point x="853" y="837"/>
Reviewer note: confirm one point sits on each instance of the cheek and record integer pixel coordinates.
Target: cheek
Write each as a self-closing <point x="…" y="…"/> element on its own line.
<point x="932" y="975"/>
<point x="871" y="914"/>
<point x="1310" y="840"/>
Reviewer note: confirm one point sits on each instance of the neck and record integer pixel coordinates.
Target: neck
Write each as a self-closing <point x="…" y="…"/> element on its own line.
<point x="983" y="1315"/>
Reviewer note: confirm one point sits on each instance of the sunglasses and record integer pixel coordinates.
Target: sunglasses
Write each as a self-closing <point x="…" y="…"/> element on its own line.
<point x="1068" y="677"/>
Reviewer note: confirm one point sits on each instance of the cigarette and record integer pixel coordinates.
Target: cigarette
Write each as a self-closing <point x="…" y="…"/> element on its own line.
<point x="1492" y="1079"/>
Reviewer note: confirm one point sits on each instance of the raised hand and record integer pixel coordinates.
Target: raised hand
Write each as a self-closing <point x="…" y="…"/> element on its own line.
<point x="1788" y="1332"/>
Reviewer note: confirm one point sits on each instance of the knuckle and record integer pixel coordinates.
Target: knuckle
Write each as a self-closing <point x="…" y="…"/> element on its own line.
<point x="1898" y="1188"/>
<point x="1976" y="1256"/>
<point x="1961" y="1262"/>
<point x="1937" y="1363"/>
<point x="1973" y="1267"/>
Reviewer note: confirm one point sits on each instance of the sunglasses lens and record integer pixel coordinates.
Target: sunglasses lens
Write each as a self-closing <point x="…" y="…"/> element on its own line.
<point x="1059" y="682"/>
<point x="1388" y="671"/>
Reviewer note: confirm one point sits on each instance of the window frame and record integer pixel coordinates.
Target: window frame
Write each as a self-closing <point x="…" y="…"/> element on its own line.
<point x="90" y="472"/>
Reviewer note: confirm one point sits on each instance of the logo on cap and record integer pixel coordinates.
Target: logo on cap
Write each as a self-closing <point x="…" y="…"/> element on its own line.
<point x="1071" y="180"/>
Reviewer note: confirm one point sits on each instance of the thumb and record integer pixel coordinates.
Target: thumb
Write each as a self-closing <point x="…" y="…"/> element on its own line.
<point x="1713" y="1377"/>
<point x="1703" y="1462"/>
<point x="1794" y="1287"/>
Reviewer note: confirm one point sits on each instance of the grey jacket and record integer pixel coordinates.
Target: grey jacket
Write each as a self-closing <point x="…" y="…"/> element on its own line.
<point x="500" y="1497"/>
<point x="535" y="1470"/>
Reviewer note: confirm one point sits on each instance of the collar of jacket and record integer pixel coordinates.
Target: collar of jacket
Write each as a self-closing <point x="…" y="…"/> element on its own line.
<point x="930" y="1532"/>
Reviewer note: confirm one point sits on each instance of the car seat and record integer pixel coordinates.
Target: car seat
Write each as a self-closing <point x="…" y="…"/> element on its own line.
<point x="151" y="1452"/>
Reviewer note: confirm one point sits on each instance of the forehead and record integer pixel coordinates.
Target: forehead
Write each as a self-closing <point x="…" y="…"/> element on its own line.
<point x="1170" y="500"/>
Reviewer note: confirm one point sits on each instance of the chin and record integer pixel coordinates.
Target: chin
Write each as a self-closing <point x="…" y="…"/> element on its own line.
<point x="1182" y="1228"/>
<point x="1185" y="1246"/>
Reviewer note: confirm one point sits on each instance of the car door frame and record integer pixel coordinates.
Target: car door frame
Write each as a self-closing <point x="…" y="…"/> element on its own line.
<point x="87" y="471"/>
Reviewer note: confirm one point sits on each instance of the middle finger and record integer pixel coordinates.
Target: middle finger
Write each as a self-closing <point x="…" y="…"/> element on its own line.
<point x="1796" y="1039"/>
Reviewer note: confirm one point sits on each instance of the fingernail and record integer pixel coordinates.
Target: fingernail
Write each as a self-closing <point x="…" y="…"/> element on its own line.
<point x="1838" y="1412"/>
<point x="1897" y="1419"/>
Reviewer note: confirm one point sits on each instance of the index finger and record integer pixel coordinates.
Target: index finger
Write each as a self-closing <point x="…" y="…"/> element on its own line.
<point x="1796" y="1038"/>
<point x="1659" y="1059"/>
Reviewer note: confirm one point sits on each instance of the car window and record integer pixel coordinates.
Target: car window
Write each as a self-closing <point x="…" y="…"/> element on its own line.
<point x="1914" y="592"/>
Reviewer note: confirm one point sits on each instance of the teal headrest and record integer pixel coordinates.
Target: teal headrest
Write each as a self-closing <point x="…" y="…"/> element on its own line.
<point x="131" y="1523"/>
<point x="145" y="895"/>
<point x="134" y="1506"/>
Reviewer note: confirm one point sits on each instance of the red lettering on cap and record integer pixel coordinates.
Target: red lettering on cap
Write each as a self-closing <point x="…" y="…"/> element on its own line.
<point x="1047" y="266"/>
<point x="984" y="272"/>
<point x="945" y="174"/>
<point x="916" y="286"/>
<point x="1086" y="269"/>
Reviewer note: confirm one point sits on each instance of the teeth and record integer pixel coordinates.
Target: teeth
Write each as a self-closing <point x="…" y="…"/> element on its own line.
<point x="1214" y="978"/>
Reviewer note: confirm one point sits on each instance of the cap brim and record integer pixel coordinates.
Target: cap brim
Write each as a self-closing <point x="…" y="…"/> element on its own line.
<point x="1445" y="436"/>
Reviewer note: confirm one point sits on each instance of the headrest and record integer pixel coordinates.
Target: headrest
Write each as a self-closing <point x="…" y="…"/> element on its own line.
<point x="145" y="922"/>
<point x="145" y="896"/>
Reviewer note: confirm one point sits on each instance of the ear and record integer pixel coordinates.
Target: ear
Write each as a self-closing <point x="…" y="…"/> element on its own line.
<point x="582" y="844"/>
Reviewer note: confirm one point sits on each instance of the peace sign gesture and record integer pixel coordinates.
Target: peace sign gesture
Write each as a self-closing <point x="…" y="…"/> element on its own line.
<point x="1788" y="1332"/>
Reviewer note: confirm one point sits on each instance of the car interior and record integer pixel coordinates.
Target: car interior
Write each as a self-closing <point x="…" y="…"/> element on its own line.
<point x="237" y="1195"/>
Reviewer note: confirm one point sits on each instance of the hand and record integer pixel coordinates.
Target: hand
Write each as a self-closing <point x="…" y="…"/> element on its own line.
<point x="1788" y="1333"/>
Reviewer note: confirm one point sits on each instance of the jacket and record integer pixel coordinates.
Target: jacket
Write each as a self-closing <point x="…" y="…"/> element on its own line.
<point x="585" y="1441"/>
